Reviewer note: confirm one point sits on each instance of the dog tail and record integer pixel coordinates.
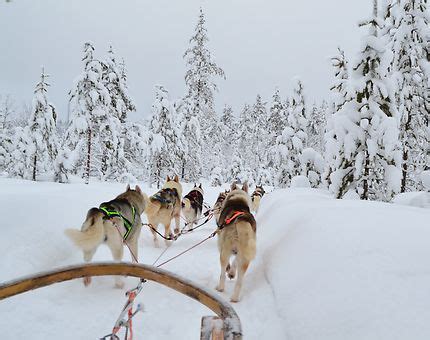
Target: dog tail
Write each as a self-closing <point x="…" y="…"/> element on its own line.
<point x="247" y="240"/>
<point x="151" y="207"/>
<point x="186" y="204"/>
<point x="91" y="233"/>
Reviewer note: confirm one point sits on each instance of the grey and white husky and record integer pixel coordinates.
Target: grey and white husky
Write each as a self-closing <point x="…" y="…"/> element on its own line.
<point x="111" y="223"/>
<point x="192" y="205"/>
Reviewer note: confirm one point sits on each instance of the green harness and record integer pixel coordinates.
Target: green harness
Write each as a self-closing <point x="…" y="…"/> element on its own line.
<point x="109" y="213"/>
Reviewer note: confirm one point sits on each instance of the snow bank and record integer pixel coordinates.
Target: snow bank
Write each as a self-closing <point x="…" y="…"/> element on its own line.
<point x="342" y="269"/>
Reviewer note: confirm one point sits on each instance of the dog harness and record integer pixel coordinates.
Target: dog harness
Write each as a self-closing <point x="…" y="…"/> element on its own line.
<point x="235" y="215"/>
<point x="158" y="196"/>
<point x="109" y="213"/>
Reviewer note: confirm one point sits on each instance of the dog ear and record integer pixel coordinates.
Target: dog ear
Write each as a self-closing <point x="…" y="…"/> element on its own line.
<point x="176" y="179"/>
<point x="128" y="187"/>
<point x="200" y="186"/>
<point x="245" y="187"/>
<point x="168" y="178"/>
<point x="233" y="186"/>
<point x="138" y="189"/>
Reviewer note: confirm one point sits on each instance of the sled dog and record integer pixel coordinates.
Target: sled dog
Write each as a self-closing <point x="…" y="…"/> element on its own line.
<point x="256" y="197"/>
<point x="164" y="206"/>
<point x="237" y="236"/>
<point x="111" y="223"/>
<point x="192" y="205"/>
<point x="218" y="204"/>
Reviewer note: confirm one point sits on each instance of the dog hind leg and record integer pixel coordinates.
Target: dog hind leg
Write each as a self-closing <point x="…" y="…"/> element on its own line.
<point x="88" y="256"/>
<point x="241" y="273"/>
<point x="114" y="242"/>
<point x="224" y="259"/>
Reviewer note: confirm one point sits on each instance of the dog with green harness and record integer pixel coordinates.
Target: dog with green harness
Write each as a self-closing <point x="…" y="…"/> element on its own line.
<point x="114" y="223"/>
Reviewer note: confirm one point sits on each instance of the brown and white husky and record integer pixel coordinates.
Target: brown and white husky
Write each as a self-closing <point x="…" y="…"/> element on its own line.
<point x="164" y="206"/>
<point x="237" y="236"/>
<point x="192" y="205"/>
<point x="112" y="223"/>
<point x="256" y="197"/>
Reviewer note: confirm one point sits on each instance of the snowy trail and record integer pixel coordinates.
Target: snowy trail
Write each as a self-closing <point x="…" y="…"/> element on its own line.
<point x="37" y="243"/>
<point x="325" y="269"/>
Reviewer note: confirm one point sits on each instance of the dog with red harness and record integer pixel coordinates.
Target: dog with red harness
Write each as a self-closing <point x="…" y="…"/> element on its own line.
<point x="236" y="237"/>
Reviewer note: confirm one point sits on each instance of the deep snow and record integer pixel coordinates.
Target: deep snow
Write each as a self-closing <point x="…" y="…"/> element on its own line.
<point x="325" y="269"/>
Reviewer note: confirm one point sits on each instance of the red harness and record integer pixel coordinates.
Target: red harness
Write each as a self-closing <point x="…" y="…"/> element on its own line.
<point x="233" y="217"/>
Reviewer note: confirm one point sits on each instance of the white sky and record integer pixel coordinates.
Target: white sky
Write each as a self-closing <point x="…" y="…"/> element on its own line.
<point x="260" y="44"/>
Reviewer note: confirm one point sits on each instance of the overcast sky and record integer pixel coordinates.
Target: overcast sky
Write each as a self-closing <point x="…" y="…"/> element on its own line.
<point x="260" y="44"/>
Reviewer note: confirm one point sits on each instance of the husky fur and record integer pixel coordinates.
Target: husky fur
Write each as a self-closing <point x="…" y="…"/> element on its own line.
<point x="192" y="205"/>
<point x="98" y="229"/>
<point x="164" y="206"/>
<point x="237" y="238"/>
<point x="256" y="197"/>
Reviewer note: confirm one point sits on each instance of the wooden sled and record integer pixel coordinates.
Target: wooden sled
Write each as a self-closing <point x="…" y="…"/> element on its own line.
<point x="226" y="325"/>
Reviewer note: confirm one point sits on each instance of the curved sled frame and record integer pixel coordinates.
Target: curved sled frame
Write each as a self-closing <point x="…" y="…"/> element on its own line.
<point x="231" y="323"/>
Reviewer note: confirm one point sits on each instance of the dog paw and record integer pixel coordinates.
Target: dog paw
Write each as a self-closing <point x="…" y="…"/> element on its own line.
<point x="234" y="299"/>
<point x="220" y="289"/>
<point x="87" y="281"/>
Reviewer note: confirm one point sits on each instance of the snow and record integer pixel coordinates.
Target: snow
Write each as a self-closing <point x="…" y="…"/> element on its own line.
<point x="348" y="270"/>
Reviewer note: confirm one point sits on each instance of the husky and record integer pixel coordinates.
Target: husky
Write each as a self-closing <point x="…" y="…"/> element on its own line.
<point x="113" y="223"/>
<point x="256" y="197"/>
<point x="164" y="206"/>
<point x="218" y="205"/>
<point x="236" y="236"/>
<point x="192" y="205"/>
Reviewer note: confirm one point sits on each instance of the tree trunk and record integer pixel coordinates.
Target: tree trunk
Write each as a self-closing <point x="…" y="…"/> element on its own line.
<point x="404" y="169"/>
<point x="365" y="195"/>
<point x="34" y="166"/>
<point x="88" y="166"/>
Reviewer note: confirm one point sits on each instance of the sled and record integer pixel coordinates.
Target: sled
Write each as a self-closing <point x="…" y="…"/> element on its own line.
<point x="226" y="324"/>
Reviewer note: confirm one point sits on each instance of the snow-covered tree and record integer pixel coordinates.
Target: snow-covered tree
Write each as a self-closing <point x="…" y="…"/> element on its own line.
<point x="192" y="145"/>
<point x="228" y="127"/>
<point x="316" y="128"/>
<point x="365" y="128"/>
<point x="293" y="140"/>
<point x="164" y="141"/>
<point x="201" y="68"/>
<point x="42" y="130"/>
<point x="408" y="32"/>
<point x="89" y="104"/>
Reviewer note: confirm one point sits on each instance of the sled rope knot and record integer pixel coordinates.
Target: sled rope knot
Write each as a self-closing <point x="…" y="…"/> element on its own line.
<point x="109" y="213"/>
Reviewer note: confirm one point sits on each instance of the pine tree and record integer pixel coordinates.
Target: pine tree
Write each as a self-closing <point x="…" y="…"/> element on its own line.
<point x="191" y="165"/>
<point x="366" y="128"/>
<point x="201" y="68"/>
<point x="409" y="36"/>
<point x="164" y="143"/>
<point x="89" y="102"/>
<point x="293" y="139"/>
<point x="260" y="138"/>
<point x="228" y="127"/>
<point x="42" y="130"/>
